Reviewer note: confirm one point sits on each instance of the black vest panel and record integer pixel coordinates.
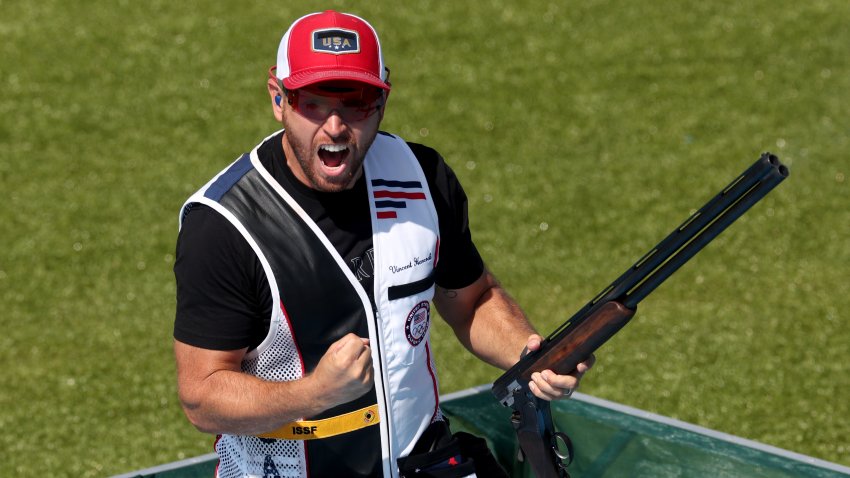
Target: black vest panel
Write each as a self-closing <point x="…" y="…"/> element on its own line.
<point x="322" y="305"/>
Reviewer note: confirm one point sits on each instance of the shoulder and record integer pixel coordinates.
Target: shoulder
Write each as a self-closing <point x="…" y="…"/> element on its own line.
<point x="440" y="176"/>
<point x="442" y="181"/>
<point x="202" y="223"/>
<point x="436" y="170"/>
<point x="270" y="153"/>
<point x="430" y="160"/>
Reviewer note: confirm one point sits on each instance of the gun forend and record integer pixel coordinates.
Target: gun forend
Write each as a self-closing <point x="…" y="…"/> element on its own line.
<point x="562" y="352"/>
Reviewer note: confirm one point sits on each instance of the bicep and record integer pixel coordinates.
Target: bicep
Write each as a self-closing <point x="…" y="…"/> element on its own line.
<point x="486" y="320"/>
<point x="457" y="306"/>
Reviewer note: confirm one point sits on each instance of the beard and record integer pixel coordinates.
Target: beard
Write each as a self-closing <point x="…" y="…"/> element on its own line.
<point x="307" y="157"/>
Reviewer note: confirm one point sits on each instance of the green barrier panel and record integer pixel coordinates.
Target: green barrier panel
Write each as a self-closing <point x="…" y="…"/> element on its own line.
<point x="197" y="467"/>
<point x="611" y="440"/>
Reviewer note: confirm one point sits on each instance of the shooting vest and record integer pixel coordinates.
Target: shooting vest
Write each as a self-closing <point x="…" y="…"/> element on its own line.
<point x="312" y="288"/>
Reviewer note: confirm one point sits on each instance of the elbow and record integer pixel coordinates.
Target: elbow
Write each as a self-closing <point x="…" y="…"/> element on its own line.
<point x="201" y="422"/>
<point x="198" y="417"/>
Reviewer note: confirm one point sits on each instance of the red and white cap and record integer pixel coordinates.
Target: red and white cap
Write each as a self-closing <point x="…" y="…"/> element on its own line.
<point x="330" y="46"/>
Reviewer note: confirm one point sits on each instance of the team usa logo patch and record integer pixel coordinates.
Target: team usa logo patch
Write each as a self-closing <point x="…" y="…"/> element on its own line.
<point x="418" y="320"/>
<point x="391" y="196"/>
<point x="336" y="41"/>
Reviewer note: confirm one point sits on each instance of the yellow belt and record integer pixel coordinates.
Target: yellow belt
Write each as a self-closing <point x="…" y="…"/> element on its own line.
<point x="327" y="427"/>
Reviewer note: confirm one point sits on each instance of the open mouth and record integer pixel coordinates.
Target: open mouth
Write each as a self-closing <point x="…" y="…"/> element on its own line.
<point x="333" y="155"/>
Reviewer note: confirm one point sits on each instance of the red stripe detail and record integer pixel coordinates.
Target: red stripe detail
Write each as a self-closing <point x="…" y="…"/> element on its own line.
<point x="306" y="459"/>
<point x="387" y="215"/>
<point x="300" y="359"/>
<point x="433" y="381"/>
<point x="437" y="252"/>
<point x="215" y="449"/>
<point x="292" y="333"/>
<point x="398" y="195"/>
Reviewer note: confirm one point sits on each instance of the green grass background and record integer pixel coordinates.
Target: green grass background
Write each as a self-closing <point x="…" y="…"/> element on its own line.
<point x="583" y="132"/>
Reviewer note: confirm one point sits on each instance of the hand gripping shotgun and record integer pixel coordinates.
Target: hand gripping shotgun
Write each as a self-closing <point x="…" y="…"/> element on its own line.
<point x="549" y="451"/>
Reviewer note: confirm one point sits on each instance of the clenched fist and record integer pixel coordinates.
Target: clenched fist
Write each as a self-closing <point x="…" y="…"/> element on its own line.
<point x="344" y="372"/>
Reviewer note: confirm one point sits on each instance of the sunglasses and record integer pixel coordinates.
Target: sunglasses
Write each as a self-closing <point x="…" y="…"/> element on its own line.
<point x="317" y="103"/>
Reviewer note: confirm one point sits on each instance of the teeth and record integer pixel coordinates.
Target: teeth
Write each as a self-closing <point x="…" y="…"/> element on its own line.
<point x="334" y="148"/>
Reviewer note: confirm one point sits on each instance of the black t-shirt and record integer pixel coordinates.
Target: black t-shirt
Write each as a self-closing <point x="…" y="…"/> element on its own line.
<point x="223" y="296"/>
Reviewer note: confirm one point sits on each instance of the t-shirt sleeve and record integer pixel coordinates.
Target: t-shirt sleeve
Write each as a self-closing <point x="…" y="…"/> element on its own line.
<point x="459" y="263"/>
<point x="223" y="297"/>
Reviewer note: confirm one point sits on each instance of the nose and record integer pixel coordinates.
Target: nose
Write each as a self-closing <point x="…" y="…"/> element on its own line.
<point x="334" y="126"/>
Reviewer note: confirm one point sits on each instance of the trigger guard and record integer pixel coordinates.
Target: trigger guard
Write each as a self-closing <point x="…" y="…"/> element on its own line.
<point x="556" y="448"/>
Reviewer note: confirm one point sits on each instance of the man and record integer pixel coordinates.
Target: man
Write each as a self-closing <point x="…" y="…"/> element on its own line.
<point x="306" y="270"/>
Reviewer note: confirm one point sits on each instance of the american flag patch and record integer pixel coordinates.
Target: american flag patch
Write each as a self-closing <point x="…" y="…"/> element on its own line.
<point x="390" y="196"/>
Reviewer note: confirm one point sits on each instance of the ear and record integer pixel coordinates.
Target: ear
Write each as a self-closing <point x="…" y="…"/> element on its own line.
<point x="275" y="91"/>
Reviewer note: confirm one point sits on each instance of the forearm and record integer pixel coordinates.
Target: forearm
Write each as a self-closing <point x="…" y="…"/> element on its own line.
<point x="218" y="397"/>
<point x="236" y="403"/>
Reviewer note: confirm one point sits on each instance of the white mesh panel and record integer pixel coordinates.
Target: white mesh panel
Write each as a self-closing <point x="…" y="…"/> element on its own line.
<point x="249" y="456"/>
<point x="279" y="360"/>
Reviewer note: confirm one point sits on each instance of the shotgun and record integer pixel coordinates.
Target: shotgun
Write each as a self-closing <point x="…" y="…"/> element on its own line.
<point x="549" y="451"/>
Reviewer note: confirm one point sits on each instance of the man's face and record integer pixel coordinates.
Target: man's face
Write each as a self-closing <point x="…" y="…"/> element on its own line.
<point x="328" y="131"/>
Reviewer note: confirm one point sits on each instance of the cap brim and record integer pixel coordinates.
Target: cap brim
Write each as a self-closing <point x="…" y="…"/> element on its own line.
<point x="307" y="78"/>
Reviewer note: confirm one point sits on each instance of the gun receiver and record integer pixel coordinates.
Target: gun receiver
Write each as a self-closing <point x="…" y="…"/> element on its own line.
<point x="614" y="306"/>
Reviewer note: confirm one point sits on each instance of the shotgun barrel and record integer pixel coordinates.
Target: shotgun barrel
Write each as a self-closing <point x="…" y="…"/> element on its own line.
<point x="614" y="306"/>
